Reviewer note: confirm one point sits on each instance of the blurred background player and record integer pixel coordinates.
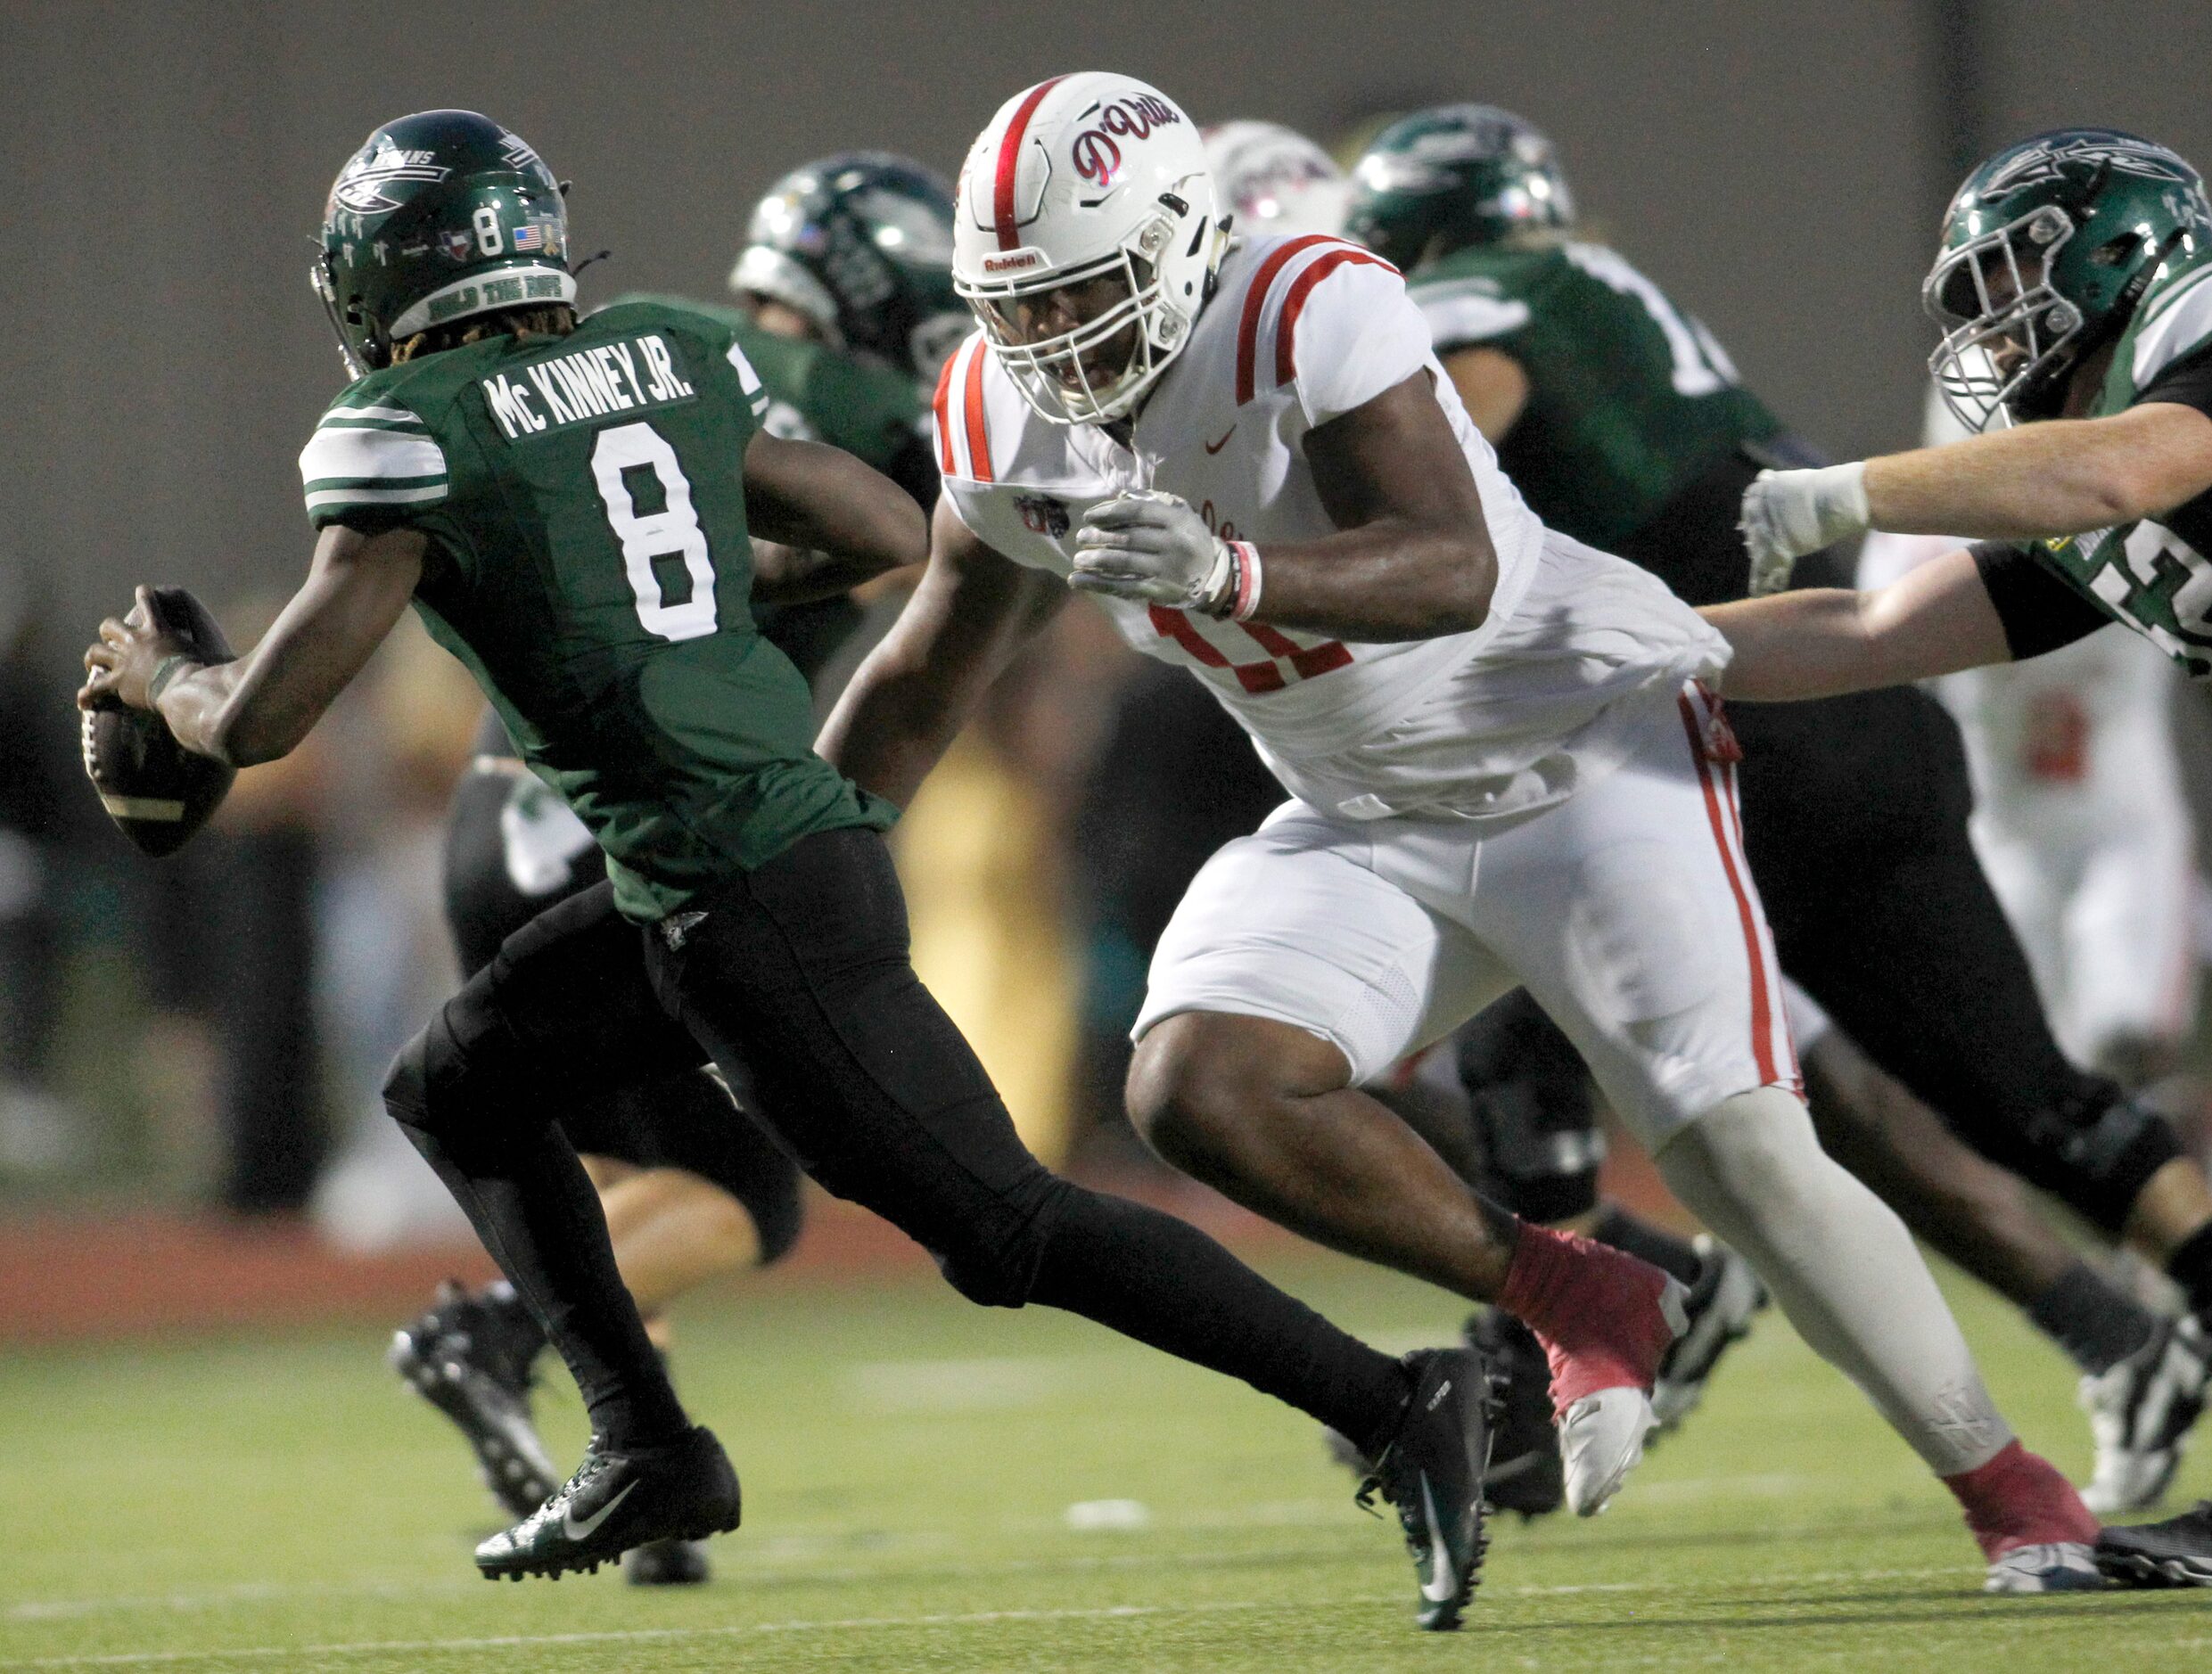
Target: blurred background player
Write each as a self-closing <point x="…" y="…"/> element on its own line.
<point x="843" y="293"/>
<point x="2081" y="821"/>
<point x="1623" y="421"/>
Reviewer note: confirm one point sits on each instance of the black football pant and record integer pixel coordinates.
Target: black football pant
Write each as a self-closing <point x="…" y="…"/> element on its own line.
<point x="680" y="1120"/>
<point x="795" y="978"/>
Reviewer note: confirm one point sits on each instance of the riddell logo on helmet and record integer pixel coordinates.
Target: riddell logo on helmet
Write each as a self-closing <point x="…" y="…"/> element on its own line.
<point x="1007" y="264"/>
<point x="1097" y="155"/>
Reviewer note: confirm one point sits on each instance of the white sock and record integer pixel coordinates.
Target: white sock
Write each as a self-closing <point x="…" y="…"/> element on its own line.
<point x="1843" y="1268"/>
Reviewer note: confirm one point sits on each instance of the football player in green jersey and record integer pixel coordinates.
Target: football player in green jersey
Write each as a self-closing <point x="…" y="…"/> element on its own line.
<point x="1621" y="418"/>
<point x="689" y="1193"/>
<point x="2074" y="284"/>
<point x="567" y="506"/>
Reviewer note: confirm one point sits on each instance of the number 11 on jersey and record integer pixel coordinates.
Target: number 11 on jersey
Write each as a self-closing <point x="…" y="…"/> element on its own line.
<point x="672" y="531"/>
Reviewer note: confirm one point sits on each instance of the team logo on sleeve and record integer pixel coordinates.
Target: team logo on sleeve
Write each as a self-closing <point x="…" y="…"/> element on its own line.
<point x="1041" y="514"/>
<point x="361" y="188"/>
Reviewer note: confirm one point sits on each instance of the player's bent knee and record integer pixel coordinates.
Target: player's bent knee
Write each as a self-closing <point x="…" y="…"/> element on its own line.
<point x="1200" y="1081"/>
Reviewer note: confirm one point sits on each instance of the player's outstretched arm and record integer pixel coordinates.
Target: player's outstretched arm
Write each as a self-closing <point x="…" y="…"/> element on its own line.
<point x="1822" y="641"/>
<point x="973" y="611"/>
<point x="1410" y="558"/>
<point x="259" y="707"/>
<point x="836" y="522"/>
<point x="2061" y="477"/>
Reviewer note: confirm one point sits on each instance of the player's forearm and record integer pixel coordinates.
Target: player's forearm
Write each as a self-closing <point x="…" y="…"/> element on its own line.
<point x="1810" y="643"/>
<point x="201" y="705"/>
<point x="2063" y="477"/>
<point x="1823" y="641"/>
<point x="1383" y="581"/>
<point x="823" y="503"/>
<point x="893" y="722"/>
<point x="793" y="575"/>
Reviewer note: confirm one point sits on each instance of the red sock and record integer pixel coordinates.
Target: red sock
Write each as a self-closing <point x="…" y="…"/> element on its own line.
<point x="2018" y="1499"/>
<point x="1595" y="1310"/>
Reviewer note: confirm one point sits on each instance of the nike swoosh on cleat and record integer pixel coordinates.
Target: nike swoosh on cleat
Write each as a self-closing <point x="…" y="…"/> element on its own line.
<point x="1441" y="1585"/>
<point x="1215" y="447"/>
<point x="584" y="1529"/>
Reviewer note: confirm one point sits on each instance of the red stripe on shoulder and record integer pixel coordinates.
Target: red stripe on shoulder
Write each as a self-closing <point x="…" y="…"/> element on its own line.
<point x="972" y="410"/>
<point x="1010" y="163"/>
<point x="1256" y="301"/>
<point x="942" y="406"/>
<point x="1287" y="323"/>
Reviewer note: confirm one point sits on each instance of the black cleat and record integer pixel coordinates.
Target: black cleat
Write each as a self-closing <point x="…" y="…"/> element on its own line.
<point x="1432" y="1473"/>
<point x="1526" y="1472"/>
<point x="2175" y="1552"/>
<point x="685" y="1490"/>
<point x="665" y="1564"/>
<point x="1720" y="1306"/>
<point x="470" y="1358"/>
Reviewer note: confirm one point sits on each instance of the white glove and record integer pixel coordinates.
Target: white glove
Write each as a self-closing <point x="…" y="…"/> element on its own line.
<point x="1153" y="548"/>
<point x="1788" y="513"/>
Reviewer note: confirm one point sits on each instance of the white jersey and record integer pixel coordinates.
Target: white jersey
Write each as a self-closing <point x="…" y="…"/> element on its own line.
<point x="1300" y="331"/>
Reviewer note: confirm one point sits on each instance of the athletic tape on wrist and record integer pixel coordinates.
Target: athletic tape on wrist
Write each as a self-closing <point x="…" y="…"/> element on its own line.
<point x="1245" y="597"/>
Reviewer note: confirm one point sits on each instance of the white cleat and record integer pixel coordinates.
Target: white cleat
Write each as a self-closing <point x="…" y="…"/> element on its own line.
<point x="1601" y="1439"/>
<point x="2140" y="1413"/>
<point x="2066" y="1566"/>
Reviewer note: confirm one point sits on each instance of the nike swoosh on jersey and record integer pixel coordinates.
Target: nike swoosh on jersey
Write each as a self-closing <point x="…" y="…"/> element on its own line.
<point x="1442" y="1584"/>
<point x="584" y="1529"/>
<point x="1215" y="447"/>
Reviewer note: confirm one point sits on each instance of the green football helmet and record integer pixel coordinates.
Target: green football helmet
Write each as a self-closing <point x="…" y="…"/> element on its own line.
<point x="441" y="214"/>
<point x="2047" y="251"/>
<point x="1452" y="175"/>
<point x="861" y="244"/>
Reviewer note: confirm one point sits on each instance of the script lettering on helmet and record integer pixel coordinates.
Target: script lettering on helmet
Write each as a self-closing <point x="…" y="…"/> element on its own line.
<point x="1097" y="155"/>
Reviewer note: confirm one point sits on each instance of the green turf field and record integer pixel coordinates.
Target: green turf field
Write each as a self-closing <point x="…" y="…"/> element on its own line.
<point x="910" y="1464"/>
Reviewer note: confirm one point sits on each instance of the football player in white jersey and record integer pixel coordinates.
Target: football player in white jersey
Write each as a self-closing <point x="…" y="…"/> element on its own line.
<point x="1502" y="771"/>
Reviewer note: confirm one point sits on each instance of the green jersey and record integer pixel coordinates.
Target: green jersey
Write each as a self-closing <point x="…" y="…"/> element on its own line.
<point x="1629" y="400"/>
<point x="2155" y="576"/>
<point x="588" y="562"/>
<point x="819" y="394"/>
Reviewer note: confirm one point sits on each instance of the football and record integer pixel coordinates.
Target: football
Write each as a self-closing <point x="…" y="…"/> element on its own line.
<point x="157" y="791"/>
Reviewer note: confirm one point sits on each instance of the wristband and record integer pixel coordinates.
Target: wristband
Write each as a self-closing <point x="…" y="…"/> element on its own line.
<point x="164" y="671"/>
<point x="1244" y="597"/>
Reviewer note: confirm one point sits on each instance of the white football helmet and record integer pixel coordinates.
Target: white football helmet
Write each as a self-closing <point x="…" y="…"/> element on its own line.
<point x="1275" y="180"/>
<point x="1087" y="241"/>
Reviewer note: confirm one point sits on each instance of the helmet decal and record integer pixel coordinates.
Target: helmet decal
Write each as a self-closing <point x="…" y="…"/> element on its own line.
<point x="361" y="184"/>
<point x="2039" y="163"/>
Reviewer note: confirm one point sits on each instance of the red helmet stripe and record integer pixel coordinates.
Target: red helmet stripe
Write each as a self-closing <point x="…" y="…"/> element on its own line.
<point x="943" y="406"/>
<point x="1011" y="163"/>
<point x="972" y="409"/>
<point x="1255" y="300"/>
<point x="1293" y="300"/>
